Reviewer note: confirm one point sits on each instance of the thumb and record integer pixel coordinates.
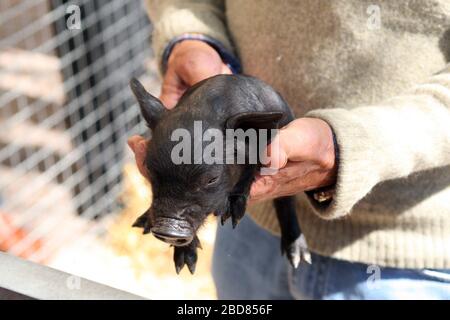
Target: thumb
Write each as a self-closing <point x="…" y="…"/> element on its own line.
<point x="276" y="155"/>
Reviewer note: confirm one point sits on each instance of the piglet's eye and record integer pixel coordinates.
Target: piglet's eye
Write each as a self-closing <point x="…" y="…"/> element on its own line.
<point x="213" y="180"/>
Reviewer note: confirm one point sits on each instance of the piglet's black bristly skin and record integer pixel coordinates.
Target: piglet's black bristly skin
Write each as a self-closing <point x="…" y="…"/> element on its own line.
<point x="184" y="194"/>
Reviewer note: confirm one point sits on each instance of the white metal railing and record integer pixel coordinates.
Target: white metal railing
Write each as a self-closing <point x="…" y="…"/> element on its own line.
<point x="21" y="279"/>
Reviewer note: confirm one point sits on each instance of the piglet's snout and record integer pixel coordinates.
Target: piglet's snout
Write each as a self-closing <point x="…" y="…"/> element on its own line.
<point x="174" y="231"/>
<point x="173" y="238"/>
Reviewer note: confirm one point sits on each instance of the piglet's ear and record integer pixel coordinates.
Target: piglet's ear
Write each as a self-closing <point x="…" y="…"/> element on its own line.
<point x="254" y="120"/>
<point x="151" y="107"/>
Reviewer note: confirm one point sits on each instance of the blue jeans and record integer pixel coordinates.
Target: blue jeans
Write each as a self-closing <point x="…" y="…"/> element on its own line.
<point x="247" y="264"/>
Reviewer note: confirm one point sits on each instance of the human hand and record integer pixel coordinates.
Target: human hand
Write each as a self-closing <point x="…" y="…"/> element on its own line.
<point x="303" y="155"/>
<point x="190" y="61"/>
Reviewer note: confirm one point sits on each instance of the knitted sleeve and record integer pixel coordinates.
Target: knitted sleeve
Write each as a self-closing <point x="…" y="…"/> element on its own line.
<point x="394" y="139"/>
<point x="172" y="18"/>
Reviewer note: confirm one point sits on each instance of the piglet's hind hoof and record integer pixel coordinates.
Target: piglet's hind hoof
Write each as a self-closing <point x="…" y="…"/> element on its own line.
<point x="190" y="258"/>
<point x="296" y="251"/>
<point x="186" y="255"/>
<point x="178" y="259"/>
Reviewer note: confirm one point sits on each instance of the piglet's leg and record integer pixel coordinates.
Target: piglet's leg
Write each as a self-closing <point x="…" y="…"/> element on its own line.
<point x="186" y="255"/>
<point x="293" y="243"/>
<point x="224" y="211"/>
<point x="237" y="200"/>
<point x="236" y="209"/>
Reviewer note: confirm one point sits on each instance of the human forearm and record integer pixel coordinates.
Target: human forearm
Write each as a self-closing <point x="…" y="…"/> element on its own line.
<point x="391" y="140"/>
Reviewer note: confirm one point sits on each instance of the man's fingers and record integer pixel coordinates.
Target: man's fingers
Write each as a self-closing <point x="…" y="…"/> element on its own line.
<point x="291" y="179"/>
<point x="275" y="156"/>
<point x="139" y="147"/>
<point x="262" y="187"/>
<point x="170" y="99"/>
<point x="172" y="89"/>
<point x="196" y="68"/>
<point x="175" y="85"/>
<point x="201" y="73"/>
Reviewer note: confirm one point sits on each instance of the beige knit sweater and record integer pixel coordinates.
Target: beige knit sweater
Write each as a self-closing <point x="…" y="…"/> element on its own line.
<point x="377" y="71"/>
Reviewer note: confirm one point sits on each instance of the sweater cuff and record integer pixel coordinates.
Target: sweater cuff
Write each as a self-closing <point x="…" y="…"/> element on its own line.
<point x="355" y="177"/>
<point x="227" y="57"/>
<point x="323" y="196"/>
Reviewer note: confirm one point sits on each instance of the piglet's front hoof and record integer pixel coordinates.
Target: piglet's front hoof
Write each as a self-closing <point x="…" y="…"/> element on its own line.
<point x="143" y="222"/>
<point x="296" y="251"/>
<point x="235" y="210"/>
<point x="186" y="255"/>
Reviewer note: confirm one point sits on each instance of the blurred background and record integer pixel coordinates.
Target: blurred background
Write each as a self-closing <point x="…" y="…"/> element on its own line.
<point x="69" y="189"/>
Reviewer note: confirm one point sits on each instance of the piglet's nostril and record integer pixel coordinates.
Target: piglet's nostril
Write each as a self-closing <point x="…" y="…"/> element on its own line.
<point x="168" y="235"/>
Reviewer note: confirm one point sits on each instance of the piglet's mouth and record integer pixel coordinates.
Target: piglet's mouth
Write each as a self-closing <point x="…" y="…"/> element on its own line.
<point x="173" y="231"/>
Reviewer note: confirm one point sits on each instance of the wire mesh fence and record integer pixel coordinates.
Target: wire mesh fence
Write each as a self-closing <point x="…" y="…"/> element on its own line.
<point x="65" y="114"/>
